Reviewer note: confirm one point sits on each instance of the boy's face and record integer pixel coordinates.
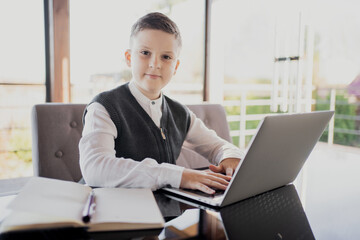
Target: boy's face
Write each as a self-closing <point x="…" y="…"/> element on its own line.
<point x="153" y="59"/>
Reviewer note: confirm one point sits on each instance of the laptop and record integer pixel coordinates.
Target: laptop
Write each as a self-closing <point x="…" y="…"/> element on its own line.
<point x="274" y="158"/>
<point x="275" y="214"/>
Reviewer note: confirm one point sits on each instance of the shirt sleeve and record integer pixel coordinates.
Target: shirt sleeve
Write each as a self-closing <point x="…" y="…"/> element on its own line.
<point x="101" y="168"/>
<point x="208" y="144"/>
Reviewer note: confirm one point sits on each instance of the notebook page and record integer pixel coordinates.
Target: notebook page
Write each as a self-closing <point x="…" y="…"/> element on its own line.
<point x="126" y="205"/>
<point x="52" y="197"/>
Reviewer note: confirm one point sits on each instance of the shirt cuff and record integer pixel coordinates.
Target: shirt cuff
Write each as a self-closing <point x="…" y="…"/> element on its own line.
<point x="170" y="174"/>
<point x="231" y="154"/>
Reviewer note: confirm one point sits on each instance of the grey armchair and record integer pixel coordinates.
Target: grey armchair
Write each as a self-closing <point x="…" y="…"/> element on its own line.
<point x="57" y="128"/>
<point x="56" y="131"/>
<point x="214" y="117"/>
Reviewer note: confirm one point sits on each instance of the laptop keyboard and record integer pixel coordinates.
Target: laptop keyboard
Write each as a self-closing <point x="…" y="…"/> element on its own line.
<point x="200" y="193"/>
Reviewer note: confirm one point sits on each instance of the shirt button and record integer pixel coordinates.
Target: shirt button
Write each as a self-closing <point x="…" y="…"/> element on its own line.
<point x="153" y="103"/>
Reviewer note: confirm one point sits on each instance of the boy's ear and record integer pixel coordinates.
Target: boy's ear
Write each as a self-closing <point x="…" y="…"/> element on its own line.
<point x="177" y="65"/>
<point x="128" y="57"/>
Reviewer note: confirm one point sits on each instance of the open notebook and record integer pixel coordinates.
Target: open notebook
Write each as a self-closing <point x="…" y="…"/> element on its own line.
<point x="48" y="203"/>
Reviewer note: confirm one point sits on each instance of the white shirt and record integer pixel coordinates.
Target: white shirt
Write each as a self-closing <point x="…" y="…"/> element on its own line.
<point x="100" y="167"/>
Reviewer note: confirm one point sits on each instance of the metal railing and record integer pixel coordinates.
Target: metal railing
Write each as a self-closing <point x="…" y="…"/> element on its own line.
<point x="244" y="117"/>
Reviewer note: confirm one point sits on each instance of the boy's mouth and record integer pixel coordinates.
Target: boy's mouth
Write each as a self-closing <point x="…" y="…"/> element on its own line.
<point x="152" y="76"/>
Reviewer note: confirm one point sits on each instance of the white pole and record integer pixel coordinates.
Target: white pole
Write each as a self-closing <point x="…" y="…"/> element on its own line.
<point x="275" y="81"/>
<point x="309" y="67"/>
<point x="332" y="121"/>
<point x="217" y="59"/>
<point x="299" y="79"/>
<point x="242" y="120"/>
<point x="285" y="76"/>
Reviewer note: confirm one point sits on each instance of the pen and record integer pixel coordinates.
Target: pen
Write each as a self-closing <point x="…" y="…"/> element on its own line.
<point x="89" y="208"/>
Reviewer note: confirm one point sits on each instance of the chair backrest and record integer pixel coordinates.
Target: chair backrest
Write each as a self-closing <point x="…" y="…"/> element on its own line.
<point x="214" y="117"/>
<point x="56" y="131"/>
<point x="57" y="128"/>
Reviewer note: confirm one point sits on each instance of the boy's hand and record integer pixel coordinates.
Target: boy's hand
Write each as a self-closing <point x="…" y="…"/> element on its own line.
<point x="227" y="166"/>
<point x="204" y="181"/>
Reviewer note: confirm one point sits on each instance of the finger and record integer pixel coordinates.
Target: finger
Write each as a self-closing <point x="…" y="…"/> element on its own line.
<point x="205" y="189"/>
<point x="219" y="180"/>
<point x="229" y="171"/>
<point x="217" y="169"/>
<point x="219" y="175"/>
<point x="215" y="184"/>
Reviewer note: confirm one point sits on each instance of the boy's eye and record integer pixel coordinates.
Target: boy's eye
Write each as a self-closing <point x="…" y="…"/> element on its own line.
<point x="145" y="53"/>
<point x="166" y="57"/>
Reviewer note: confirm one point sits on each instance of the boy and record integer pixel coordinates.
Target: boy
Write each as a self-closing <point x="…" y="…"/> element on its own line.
<point x="133" y="134"/>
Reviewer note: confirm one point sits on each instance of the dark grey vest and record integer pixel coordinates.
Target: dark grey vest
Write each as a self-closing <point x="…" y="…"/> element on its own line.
<point x="138" y="136"/>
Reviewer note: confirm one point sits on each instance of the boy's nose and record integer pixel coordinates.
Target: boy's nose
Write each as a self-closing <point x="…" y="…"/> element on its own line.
<point x="155" y="63"/>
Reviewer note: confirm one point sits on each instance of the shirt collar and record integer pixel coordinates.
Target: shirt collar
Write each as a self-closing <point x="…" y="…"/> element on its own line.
<point x="141" y="98"/>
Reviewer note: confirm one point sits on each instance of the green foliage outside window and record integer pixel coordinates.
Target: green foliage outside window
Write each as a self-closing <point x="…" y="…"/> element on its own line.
<point x="342" y="107"/>
<point x="20" y="143"/>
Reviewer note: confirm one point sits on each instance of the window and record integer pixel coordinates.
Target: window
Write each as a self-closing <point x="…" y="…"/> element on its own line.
<point x="261" y="50"/>
<point x="22" y="78"/>
<point x="99" y="36"/>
